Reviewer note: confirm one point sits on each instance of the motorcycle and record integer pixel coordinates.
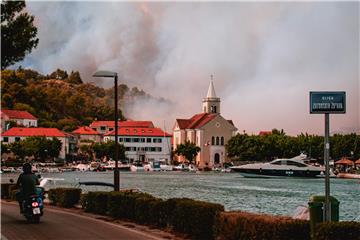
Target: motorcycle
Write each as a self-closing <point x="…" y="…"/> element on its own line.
<point x="33" y="206"/>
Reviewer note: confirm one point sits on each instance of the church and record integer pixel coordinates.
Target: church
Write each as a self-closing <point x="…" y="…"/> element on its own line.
<point x="208" y="130"/>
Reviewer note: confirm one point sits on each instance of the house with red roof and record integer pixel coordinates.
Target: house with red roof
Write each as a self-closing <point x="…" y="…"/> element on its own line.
<point x="16" y="134"/>
<point x="103" y="127"/>
<point x="22" y="118"/>
<point x="143" y="144"/>
<point x="87" y="134"/>
<point x="208" y="130"/>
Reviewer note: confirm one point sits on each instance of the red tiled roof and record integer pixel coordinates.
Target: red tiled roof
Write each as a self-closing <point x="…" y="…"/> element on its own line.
<point x="85" y="131"/>
<point x="183" y="123"/>
<point x="151" y="132"/>
<point x="128" y="123"/>
<point x="196" y="121"/>
<point x="15" y="114"/>
<point x="33" y="132"/>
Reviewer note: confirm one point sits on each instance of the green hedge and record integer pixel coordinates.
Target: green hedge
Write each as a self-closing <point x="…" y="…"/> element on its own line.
<point x="5" y="187"/>
<point x="64" y="197"/>
<point x="195" y="218"/>
<point x="241" y="225"/>
<point x="122" y="204"/>
<point x="338" y="230"/>
<point x="96" y="202"/>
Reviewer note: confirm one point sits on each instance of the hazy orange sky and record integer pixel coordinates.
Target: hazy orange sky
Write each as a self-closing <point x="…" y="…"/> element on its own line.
<point x="265" y="57"/>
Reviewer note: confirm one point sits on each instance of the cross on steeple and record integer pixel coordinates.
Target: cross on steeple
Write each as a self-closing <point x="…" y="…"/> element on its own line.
<point x="211" y="77"/>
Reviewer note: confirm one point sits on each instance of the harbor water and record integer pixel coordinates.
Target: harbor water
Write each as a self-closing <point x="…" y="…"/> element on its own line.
<point x="276" y="196"/>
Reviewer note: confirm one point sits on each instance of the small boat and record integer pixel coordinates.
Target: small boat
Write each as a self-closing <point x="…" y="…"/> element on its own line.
<point x="153" y="166"/>
<point x="164" y="166"/>
<point x="137" y="167"/>
<point x="181" y="167"/>
<point x="348" y="175"/>
<point x="292" y="167"/>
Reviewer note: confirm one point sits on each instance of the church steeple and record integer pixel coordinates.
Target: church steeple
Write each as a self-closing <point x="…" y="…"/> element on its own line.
<point x="211" y="104"/>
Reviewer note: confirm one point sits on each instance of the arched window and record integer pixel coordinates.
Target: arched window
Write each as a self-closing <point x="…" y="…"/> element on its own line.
<point x="213" y="140"/>
<point x="217" y="140"/>
<point x="222" y="141"/>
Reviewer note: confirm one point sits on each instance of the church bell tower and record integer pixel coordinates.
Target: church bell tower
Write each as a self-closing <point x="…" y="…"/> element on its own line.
<point x="211" y="104"/>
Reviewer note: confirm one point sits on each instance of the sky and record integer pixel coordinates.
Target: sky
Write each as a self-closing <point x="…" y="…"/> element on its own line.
<point x="265" y="57"/>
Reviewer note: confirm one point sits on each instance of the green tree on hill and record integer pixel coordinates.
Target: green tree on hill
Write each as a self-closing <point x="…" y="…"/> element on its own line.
<point x="18" y="33"/>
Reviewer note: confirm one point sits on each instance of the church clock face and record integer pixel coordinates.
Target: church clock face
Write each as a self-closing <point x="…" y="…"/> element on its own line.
<point x="217" y="124"/>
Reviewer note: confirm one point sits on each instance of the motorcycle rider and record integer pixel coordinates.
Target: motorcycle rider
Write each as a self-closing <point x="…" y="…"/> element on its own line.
<point x="26" y="184"/>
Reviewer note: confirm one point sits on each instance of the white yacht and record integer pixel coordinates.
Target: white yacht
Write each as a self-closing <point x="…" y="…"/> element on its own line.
<point x="292" y="167"/>
<point x="137" y="167"/>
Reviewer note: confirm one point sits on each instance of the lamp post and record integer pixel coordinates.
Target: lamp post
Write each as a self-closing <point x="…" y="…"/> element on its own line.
<point x="116" y="170"/>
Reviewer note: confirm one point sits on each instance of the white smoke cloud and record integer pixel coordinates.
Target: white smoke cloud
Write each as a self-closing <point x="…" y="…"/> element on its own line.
<point x="266" y="57"/>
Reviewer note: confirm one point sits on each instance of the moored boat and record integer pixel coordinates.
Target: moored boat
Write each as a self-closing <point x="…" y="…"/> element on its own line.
<point x="348" y="175"/>
<point x="293" y="167"/>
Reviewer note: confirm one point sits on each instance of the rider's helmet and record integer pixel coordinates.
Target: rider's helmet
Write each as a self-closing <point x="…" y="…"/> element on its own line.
<point x="27" y="168"/>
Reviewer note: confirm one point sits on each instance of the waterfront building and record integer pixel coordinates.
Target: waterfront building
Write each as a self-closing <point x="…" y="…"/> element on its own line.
<point x="17" y="134"/>
<point x="103" y="127"/>
<point x="87" y="135"/>
<point x="143" y="144"/>
<point x="208" y="130"/>
<point x="21" y="118"/>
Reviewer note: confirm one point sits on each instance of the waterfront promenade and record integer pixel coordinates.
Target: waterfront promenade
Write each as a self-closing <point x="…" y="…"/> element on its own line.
<point x="59" y="224"/>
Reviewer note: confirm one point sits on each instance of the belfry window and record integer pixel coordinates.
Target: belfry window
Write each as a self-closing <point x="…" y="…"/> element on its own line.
<point x="213" y="140"/>
<point x="213" y="109"/>
<point x="217" y="140"/>
<point x="222" y="141"/>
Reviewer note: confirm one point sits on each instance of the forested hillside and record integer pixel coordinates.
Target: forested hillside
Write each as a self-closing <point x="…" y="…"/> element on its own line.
<point x="60" y="99"/>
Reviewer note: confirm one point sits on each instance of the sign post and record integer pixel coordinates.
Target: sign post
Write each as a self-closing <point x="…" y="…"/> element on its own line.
<point x="326" y="103"/>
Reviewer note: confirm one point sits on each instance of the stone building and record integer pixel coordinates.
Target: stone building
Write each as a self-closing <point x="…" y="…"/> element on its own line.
<point x="208" y="130"/>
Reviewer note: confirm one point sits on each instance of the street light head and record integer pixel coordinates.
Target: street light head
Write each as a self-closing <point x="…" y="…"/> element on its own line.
<point x="105" y="74"/>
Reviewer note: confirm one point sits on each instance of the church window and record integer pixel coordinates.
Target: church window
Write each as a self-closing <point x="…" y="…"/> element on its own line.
<point x="204" y="109"/>
<point x="213" y="140"/>
<point x="213" y="109"/>
<point x="222" y="141"/>
<point x="217" y="140"/>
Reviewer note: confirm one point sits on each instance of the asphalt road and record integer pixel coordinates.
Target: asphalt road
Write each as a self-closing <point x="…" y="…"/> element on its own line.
<point x="57" y="224"/>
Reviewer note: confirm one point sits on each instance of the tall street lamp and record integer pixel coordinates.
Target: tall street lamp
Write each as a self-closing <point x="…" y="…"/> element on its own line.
<point x="116" y="170"/>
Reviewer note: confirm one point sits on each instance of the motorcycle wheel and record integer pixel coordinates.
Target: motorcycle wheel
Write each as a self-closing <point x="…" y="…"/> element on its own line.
<point x="36" y="219"/>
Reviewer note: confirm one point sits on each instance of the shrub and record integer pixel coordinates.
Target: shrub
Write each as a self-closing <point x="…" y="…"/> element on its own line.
<point x="241" y="225"/>
<point x="64" y="197"/>
<point x="338" y="230"/>
<point x="52" y="196"/>
<point x="147" y="210"/>
<point x="122" y="204"/>
<point x="96" y="202"/>
<point x="5" y="187"/>
<point x="192" y="217"/>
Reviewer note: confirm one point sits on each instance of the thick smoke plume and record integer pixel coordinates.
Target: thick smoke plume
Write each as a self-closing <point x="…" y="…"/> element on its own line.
<point x="266" y="57"/>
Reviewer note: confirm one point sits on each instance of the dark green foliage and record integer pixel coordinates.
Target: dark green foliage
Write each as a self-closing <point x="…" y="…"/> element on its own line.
<point x="5" y="190"/>
<point x="195" y="218"/>
<point x="39" y="147"/>
<point x="188" y="150"/>
<point x="122" y="204"/>
<point x="241" y="225"/>
<point x="337" y="231"/>
<point x="18" y="33"/>
<point x="108" y="149"/>
<point x="96" y="202"/>
<point x="64" y="197"/>
<point x="279" y="145"/>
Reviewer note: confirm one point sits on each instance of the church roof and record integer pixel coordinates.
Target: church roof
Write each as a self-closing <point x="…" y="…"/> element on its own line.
<point x="211" y="91"/>
<point x="197" y="121"/>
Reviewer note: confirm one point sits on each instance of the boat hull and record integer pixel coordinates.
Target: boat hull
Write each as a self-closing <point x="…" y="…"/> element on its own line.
<point x="271" y="173"/>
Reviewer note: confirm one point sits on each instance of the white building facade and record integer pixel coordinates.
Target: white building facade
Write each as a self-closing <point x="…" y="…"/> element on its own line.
<point x="143" y="144"/>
